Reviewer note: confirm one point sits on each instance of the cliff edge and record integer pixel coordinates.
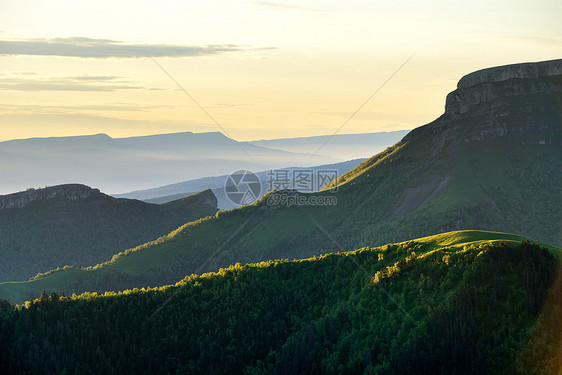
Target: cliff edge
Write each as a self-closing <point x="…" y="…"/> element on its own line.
<point x="512" y="99"/>
<point x="71" y="192"/>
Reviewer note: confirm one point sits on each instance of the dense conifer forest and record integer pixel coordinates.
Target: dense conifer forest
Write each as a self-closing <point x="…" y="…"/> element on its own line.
<point x="483" y="308"/>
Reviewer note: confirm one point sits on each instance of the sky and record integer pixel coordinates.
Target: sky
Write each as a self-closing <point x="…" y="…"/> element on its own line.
<point x="252" y="69"/>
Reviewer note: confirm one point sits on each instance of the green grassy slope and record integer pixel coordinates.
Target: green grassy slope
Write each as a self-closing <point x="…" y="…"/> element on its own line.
<point x="51" y="233"/>
<point x="138" y="268"/>
<point x="495" y="166"/>
<point x="459" y="302"/>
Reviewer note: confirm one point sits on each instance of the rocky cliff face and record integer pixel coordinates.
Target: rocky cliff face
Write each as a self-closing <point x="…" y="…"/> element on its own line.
<point x="519" y="71"/>
<point x="494" y="102"/>
<point x="208" y="197"/>
<point x="71" y="192"/>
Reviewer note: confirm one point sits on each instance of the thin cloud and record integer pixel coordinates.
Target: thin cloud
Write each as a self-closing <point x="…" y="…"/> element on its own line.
<point x="57" y="109"/>
<point x="113" y="107"/>
<point x="15" y="73"/>
<point x="280" y="5"/>
<point x="106" y="48"/>
<point x="73" y="83"/>
<point x="96" y="78"/>
<point x="56" y="86"/>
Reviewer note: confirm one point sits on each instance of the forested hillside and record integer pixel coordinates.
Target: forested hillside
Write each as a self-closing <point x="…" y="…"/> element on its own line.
<point x="442" y="305"/>
<point x="42" y="229"/>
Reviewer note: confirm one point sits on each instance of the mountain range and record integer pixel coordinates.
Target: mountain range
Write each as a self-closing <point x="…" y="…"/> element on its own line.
<point x="492" y="161"/>
<point x="118" y="165"/>
<point x="124" y="164"/>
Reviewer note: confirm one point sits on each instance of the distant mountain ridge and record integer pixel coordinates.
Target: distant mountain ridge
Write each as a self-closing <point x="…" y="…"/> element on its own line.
<point x="124" y="164"/>
<point x="496" y="166"/>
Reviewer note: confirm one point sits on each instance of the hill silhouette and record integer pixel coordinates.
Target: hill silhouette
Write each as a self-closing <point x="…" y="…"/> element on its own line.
<point x="42" y="229"/>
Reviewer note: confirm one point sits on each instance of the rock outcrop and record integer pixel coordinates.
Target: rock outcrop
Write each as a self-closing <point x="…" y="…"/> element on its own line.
<point x="209" y="198"/>
<point x="520" y="71"/>
<point x="70" y="192"/>
<point x="499" y="101"/>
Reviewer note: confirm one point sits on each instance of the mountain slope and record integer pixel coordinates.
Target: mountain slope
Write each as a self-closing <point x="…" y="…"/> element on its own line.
<point x="76" y="225"/>
<point x="125" y="164"/>
<point x="456" y="303"/>
<point x="495" y="154"/>
<point x="493" y="161"/>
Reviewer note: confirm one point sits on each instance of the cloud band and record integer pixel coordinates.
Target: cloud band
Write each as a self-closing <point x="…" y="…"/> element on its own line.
<point x="104" y="48"/>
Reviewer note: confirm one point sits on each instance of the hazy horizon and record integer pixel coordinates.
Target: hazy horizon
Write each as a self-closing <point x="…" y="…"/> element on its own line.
<point x="262" y="69"/>
<point x="200" y="132"/>
<point x="119" y="165"/>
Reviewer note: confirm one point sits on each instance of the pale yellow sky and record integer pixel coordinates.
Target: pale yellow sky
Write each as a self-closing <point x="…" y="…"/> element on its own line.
<point x="262" y="69"/>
